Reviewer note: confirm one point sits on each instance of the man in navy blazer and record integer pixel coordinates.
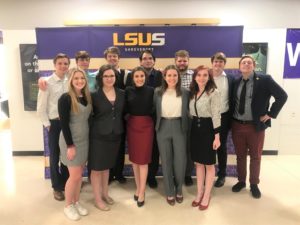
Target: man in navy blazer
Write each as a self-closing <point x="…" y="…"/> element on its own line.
<point x="224" y="84"/>
<point x="252" y="114"/>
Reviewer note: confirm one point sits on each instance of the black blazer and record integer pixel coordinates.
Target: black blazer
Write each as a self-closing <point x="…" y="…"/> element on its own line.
<point x="264" y="87"/>
<point x="157" y="76"/>
<point x="230" y="79"/>
<point x="107" y="118"/>
<point x="157" y="99"/>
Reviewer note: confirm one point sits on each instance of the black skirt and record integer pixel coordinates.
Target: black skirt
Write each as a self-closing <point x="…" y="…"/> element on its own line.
<point x="202" y="137"/>
<point x="103" y="151"/>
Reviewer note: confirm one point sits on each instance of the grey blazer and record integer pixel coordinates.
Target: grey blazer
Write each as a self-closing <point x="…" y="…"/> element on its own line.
<point x="157" y="99"/>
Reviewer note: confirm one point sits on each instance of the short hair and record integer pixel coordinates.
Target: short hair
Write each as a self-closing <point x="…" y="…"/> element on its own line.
<point x="218" y="56"/>
<point x="82" y="55"/>
<point x="112" y="50"/>
<point x="61" y="56"/>
<point x="99" y="77"/>
<point x="147" y="52"/>
<point x="247" y="56"/>
<point x="182" y="53"/>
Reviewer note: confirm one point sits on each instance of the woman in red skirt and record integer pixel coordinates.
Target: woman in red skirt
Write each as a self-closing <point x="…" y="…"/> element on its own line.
<point x="140" y="130"/>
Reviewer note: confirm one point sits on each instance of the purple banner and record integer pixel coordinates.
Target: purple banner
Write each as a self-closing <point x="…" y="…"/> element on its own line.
<point x="164" y="41"/>
<point x="292" y="54"/>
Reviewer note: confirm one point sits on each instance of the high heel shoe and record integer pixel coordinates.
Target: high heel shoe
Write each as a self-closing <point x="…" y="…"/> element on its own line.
<point x="135" y="197"/>
<point x="204" y="207"/>
<point x="195" y="203"/>
<point x="140" y="203"/>
<point x="171" y="201"/>
<point x="179" y="199"/>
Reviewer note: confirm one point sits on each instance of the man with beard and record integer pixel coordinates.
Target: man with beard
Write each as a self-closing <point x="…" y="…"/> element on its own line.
<point x="186" y="75"/>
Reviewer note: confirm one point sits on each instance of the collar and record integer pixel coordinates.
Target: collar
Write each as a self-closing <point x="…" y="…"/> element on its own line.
<point x="57" y="78"/>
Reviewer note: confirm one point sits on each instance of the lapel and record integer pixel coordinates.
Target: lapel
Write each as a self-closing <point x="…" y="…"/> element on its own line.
<point x="255" y="85"/>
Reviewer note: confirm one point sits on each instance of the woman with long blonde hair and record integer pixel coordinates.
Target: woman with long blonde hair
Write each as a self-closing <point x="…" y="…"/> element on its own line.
<point x="74" y="108"/>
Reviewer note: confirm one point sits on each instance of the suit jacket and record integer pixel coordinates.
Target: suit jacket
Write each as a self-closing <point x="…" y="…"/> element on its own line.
<point x="157" y="79"/>
<point x="107" y="118"/>
<point x="264" y="87"/>
<point x="157" y="99"/>
<point x="230" y="79"/>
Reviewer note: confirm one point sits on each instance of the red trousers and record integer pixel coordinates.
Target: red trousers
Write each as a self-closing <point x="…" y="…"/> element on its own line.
<point x="247" y="139"/>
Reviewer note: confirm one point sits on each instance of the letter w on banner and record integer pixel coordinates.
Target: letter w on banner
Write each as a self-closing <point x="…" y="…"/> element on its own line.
<point x="292" y="54"/>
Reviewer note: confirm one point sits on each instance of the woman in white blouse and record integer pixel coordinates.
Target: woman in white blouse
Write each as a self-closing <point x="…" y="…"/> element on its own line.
<point x="205" y="139"/>
<point x="171" y="103"/>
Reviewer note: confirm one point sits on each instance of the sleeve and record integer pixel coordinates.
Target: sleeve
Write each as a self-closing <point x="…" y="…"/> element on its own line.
<point x="64" y="110"/>
<point x="216" y="110"/>
<point x="42" y="107"/>
<point x="280" y="97"/>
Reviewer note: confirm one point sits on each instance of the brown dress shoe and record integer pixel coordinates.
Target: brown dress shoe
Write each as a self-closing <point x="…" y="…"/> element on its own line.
<point x="179" y="199"/>
<point x="58" y="195"/>
<point x="171" y="201"/>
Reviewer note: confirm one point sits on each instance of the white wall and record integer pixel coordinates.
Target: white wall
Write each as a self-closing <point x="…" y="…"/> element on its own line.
<point x="264" y="21"/>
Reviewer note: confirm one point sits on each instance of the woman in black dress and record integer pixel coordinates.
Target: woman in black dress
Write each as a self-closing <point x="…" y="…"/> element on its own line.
<point x="140" y="130"/>
<point x="205" y="138"/>
<point x="105" y="134"/>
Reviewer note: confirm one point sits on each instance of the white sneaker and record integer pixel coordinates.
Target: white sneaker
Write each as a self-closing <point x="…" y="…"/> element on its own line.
<point x="71" y="212"/>
<point x="81" y="210"/>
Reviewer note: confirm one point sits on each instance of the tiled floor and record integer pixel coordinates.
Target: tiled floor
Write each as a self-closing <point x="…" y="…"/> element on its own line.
<point x="26" y="198"/>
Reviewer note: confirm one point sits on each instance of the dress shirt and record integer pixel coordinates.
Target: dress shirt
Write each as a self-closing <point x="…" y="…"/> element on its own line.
<point x="222" y="85"/>
<point x="186" y="79"/>
<point x="208" y="105"/>
<point x="47" y="100"/>
<point x="171" y="104"/>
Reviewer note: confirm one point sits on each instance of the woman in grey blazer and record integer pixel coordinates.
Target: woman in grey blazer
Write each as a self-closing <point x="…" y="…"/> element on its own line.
<point x="171" y="103"/>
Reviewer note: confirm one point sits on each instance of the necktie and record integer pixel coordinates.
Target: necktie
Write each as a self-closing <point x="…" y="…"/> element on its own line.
<point x="243" y="98"/>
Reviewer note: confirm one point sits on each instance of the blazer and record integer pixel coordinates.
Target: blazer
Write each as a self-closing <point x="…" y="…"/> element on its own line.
<point x="230" y="79"/>
<point x="157" y="99"/>
<point x="107" y="118"/>
<point x="264" y="87"/>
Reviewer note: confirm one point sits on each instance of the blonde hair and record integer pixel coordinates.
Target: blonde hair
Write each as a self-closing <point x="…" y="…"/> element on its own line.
<point x="85" y="91"/>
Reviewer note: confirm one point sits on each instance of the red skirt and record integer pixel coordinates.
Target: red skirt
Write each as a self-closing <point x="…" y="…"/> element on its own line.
<point x="140" y="131"/>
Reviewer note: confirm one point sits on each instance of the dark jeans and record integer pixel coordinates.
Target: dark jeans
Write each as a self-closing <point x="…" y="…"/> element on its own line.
<point x="222" y="151"/>
<point x="59" y="172"/>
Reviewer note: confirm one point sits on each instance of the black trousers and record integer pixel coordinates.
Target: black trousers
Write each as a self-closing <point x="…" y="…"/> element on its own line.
<point x="153" y="166"/>
<point x="117" y="170"/>
<point x="222" y="151"/>
<point x="59" y="172"/>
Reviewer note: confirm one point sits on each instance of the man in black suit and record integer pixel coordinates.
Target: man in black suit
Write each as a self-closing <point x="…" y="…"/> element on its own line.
<point x="224" y="84"/>
<point x="154" y="79"/>
<point x="251" y="116"/>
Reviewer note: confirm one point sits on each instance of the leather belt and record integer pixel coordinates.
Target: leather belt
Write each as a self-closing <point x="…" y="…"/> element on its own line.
<point x="243" y="121"/>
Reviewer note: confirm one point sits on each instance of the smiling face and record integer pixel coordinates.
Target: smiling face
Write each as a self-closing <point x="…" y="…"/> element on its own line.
<point x="182" y="63"/>
<point x="202" y="78"/>
<point x="218" y="66"/>
<point x="61" y="66"/>
<point x="78" y="81"/>
<point x="113" y="59"/>
<point x="139" y="78"/>
<point x="83" y="63"/>
<point x="171" y="78"/>
<point x="109" y="78"/>
<point x="247" y="66"/>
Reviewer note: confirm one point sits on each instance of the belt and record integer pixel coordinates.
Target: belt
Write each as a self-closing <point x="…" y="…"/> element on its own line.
<point x="243" y="121"/>
<point x="171" y="118"/>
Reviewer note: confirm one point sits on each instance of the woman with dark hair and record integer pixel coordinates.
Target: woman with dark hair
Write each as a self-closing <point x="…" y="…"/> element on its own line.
<point x="140" y="129"/>
<point x="205" y="138"/>
<point x="171" y="103"/>
<point x="105" y="133"/>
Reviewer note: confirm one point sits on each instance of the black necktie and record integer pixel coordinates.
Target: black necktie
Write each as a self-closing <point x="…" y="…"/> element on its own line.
<point x="243" y="98"/>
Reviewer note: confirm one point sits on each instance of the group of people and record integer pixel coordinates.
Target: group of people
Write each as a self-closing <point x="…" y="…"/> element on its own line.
<point x="180" y="115"/>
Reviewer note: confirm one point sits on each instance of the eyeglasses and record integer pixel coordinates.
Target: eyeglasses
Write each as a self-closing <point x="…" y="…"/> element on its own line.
<point x="108" y="76"/>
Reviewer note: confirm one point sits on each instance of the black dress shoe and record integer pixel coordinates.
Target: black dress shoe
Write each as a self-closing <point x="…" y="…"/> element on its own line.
<point x="140" y="204"/>
<point x="238" y="186"/>
<point x="220" y="182"/>
<point x="135" y="197"/>
<point x="121" y="179"/>
<point x="188" y="181"/>
<point x="255" y="191"/>
<point x="152" y="182"/>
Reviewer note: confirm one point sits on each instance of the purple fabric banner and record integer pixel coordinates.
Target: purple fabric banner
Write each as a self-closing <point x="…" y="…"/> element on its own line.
<point x="292" y="54"/>
<point x="163" y="41"/>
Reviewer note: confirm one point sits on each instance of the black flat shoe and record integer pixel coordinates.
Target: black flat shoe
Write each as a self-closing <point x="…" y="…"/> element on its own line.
<point x="121" y="180"/>
<point x="255" y="191"/>
<point x="188" y="181"/>
<point x="152" y="182"/>
<point x="220" y="182"/>
<point x="238" y="186"/>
